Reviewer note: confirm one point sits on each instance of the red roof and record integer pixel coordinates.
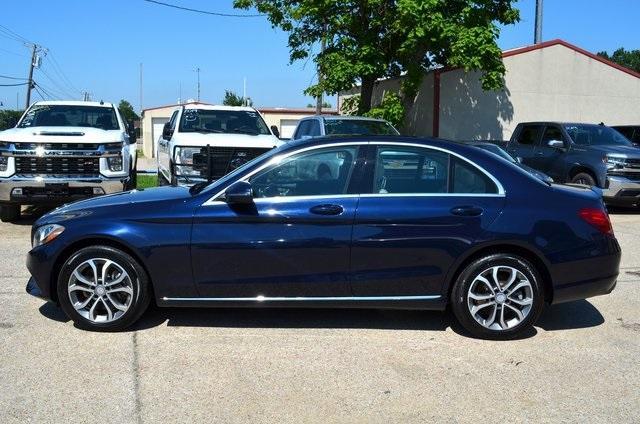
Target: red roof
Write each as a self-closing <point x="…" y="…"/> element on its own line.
<point x="556" y="42"/>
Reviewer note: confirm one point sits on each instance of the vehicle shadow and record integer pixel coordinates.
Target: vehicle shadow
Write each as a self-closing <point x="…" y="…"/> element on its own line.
<point x="566" y="316"/>
<point x="618" y="210"/>
<point x="30" y="214"/>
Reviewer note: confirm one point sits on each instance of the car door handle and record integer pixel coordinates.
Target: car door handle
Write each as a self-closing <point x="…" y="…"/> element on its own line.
<point x="467" y="211"/>
<point x="327" y="210"/>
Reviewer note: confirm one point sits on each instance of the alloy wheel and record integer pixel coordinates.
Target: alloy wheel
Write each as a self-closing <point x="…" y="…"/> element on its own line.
<point x="500" y="298"/>
<point x="100" y="290"/>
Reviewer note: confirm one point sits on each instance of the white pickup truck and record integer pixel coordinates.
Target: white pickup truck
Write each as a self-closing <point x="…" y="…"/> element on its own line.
<point x="61" y="151"/>
<point x="234" y="135"/>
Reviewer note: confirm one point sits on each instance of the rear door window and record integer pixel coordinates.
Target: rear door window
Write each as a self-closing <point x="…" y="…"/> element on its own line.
<point x="551" y="133"/>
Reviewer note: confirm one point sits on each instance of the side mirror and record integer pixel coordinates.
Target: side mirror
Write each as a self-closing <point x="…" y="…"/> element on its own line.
<point x="556" y="144"/>
<point x="239" y="193"/>
<point x="167" y="132"/>
<point x="133" y="136"/>
<point x="275" y="131"/>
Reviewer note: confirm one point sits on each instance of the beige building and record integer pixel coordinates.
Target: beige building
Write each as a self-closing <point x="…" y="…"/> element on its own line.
<point x="550" y="81"/>
<point x="153" y="120"/>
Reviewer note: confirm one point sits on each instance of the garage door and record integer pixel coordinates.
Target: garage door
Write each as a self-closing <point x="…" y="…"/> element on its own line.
<point x="287" y="126"/>
<point x="156" y="132"/>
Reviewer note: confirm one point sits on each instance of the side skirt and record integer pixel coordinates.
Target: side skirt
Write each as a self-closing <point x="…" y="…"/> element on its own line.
<point x="435" y="302"/>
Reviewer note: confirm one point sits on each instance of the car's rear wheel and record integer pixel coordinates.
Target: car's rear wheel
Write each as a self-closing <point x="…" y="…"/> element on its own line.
<point x="498" y="296"/>
<point x="584" y="179"/>
<point x="103" y="289"/>
<point x="9" y="213"/>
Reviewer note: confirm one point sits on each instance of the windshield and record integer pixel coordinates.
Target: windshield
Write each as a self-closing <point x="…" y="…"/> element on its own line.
<point x="589" y="134"/>
<point x="70" y="116"/>
<point x="223" y="121"/>
<point x="497" y="151"/>
<point x="358" y="126"/>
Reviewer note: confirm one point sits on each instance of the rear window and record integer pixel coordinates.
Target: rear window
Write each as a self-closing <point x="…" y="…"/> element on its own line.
<point x="529" y="135"/>
<point x="70" y="116"/>
<point x="358" y="126"/>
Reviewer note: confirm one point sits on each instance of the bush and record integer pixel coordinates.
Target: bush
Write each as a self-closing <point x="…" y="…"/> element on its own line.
<point x="9" y="118"/>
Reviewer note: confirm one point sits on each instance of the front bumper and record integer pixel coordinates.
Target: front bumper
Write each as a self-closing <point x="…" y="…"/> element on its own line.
<point x="622" y="190"/>
<point x="54" y="190"/>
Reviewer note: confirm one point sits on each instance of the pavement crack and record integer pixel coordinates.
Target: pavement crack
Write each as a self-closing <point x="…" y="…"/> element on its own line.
<point x="633" y="326"/>
<point x="135" y="365"/>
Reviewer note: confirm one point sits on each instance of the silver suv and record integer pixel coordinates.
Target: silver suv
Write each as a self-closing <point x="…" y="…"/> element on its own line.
<point x="327" y="125"/>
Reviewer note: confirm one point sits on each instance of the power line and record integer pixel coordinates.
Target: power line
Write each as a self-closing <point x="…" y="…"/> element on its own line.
<point x="13" y="78"/>
<point x="60" y="88"/>
<point x="58" y="70"/>
<point x="204" y="12"/>
<point x="14" y="85"/>
<point x="13" y="35"/>
<point x="36" y="86"/>
<point x="13" y="53"/>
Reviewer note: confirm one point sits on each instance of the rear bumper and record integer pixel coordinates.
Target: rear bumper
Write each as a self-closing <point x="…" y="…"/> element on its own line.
<point x="49" y="190"/>
<point x="621" y="191"/>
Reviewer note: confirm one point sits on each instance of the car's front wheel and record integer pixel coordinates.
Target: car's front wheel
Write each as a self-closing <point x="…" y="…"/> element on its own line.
<point x="103" y="289"/>
<point x="498" y="296"/>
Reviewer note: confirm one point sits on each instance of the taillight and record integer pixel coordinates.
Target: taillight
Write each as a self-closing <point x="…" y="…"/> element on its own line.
<point x="597" y="218"/>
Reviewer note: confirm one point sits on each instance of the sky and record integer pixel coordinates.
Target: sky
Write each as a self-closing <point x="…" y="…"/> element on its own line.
<point x="98" y="46"/>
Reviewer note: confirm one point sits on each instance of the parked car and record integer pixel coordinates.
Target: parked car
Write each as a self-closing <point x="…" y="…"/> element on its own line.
<point x="406" y="223"/>
<point x="632" y="132"/>
<point x="332" y="125"/>
<point x="235" y="135"/>
<point x="497" y="150"/>
<point x="589" y="154"/>
<point x="61" y="151"/>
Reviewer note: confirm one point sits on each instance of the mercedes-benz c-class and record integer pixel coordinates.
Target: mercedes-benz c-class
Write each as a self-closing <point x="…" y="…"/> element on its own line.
<point x="375" y="222"/>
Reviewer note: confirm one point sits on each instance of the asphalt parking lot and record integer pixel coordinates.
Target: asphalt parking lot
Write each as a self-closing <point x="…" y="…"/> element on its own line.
<point x="582" y="364"/>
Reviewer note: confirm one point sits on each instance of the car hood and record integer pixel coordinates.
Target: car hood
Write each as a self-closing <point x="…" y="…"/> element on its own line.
<point x="60" y="135"/>
<point x="114" y="203"/>
<point x="226" y="140"/>
<point x="628" y="151"/>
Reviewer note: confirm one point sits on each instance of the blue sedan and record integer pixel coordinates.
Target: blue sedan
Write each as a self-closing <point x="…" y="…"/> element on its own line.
<point x="375" y="222"/>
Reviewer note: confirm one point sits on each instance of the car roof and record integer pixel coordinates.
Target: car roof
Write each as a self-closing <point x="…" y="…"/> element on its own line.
<point x="344" y="118"/>
<point x="220" y="107"/>
<point x="72" y="103"/>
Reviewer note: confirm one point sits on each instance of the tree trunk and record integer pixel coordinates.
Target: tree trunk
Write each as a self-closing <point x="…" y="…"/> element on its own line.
<point x="366" y="94"/>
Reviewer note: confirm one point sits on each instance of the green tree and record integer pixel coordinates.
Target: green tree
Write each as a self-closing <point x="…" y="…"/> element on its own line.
<point x="325" y="105"/>
<point x="127" y="112"/>
<point x="371" y="39"/>
<point x="627" y="58"/>
<point x="232" y="99"/>
<point x="9" y="118"/>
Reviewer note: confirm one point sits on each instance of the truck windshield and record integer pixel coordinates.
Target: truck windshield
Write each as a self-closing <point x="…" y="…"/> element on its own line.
<point x="223" y="121"/>
<point x="590" y="134"/>
<point x="358" y="126"/>
<point x="70" y="116"/>
<point x="496" y="150"/>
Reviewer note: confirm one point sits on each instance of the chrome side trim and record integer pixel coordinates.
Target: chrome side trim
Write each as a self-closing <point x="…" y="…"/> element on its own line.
<point x="297" y="299"/>
<point x="501" y="191"/>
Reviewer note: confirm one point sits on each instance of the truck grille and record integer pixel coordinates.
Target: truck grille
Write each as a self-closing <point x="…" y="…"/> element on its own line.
<point x="66" y="146"/>
<point x="224" y="159"/>
<point x="57" y="165"/>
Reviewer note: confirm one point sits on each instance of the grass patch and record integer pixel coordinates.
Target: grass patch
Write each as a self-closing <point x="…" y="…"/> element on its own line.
<point x="147" y="181"/>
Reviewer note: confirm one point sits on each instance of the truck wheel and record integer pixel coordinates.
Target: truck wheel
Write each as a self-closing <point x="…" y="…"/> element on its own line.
<point x="133" y="180"/>
<point x="9" y="213"/>
<point x="583" y="178"/>
<point x="161" y="180"/>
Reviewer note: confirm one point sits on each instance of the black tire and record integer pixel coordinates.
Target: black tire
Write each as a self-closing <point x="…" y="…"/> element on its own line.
<point x="132" y="184"/>
<point x="9" y="213"/>
<point x="583" y="178"/>
<point x="461" y="302"/>
<point x="162" y="181"/>
<point x="139" y="298"/>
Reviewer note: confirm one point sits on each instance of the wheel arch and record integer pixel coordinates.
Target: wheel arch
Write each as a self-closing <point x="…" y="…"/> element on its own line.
<point x="513" y="247"/>
<point x="93" y="241"/>
<point x="581" y="168"/>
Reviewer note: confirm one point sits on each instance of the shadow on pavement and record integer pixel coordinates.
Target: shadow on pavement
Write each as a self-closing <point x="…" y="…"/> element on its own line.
<point x="571" y="315"/>
<point x="566" y="316"/>
<point x="617" y="210"/>
<point x="31" y="213"/>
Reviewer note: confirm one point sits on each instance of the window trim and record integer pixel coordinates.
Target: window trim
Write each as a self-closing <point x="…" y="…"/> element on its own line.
<point x="213" y="200"/>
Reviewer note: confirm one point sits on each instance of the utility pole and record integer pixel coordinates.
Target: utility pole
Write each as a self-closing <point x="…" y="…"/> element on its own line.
<point x="17" y="101"/>
<point x="198" y="72"/>
<point x="140" y="87"/>
<point x="319" y="98"/>
<point x="537" y="36"/>
<point x="244" y="91"/>
<point x="32" y="64"/>
<point x="86" y="96"/>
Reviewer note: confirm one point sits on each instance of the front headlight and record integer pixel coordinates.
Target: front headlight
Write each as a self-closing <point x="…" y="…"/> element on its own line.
<point x="614" y="161"/>
<point x="115" y="163"/>
<point x="4" y="163"/>
<point x="45" y="234"/>
<point x="184" y="156"/>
